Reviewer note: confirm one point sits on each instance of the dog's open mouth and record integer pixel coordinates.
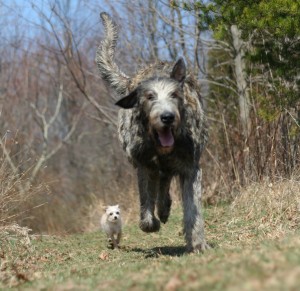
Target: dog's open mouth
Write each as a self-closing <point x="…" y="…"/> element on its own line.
<point x="165" y="137"/>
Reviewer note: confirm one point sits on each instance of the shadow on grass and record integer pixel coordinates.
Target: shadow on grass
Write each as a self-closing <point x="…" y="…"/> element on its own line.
<point x="173" y="251"/>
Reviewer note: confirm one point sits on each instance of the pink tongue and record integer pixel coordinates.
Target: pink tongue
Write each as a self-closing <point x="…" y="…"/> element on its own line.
<point x="166" y="137"/>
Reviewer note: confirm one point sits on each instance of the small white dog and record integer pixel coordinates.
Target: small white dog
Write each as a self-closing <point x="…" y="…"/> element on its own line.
<point x="111" y="224"/>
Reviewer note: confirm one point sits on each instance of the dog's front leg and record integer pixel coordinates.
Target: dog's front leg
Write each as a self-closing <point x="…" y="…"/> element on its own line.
<point x="164" y="200"/>
<point x="148" y="187"/>
<point x="119" y="235"/>
<point x="112" y="242"/>
<point x="193" y="219"/>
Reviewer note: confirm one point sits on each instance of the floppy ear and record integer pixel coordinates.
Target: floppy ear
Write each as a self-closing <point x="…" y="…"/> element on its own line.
<point x="179" y="71"/>
<point x="128" y="101"/>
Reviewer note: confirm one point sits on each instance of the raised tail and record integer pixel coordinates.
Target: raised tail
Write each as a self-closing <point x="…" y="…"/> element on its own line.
<point x="109" y="70"/>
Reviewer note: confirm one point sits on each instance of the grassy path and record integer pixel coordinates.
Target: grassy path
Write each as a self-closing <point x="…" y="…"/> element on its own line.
<point x="244" y="257"/>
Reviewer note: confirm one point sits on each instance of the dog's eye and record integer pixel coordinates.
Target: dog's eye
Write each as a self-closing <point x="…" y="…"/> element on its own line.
<point x="149" y="96"/>
<point x="111" y="213"/>
<point x="174" y="96"/>
<point x="117" y="212"/>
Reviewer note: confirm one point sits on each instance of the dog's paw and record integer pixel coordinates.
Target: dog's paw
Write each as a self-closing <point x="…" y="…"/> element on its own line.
<point x="110" y="244"/>
<point x="164" y="215"/>
<point x="199" y="248"/>
<point x="163" y="212"/>
<point x="148" y="225"/>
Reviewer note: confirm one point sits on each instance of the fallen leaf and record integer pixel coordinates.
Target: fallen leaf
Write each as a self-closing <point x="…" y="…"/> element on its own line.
<point x="104" y="256"/>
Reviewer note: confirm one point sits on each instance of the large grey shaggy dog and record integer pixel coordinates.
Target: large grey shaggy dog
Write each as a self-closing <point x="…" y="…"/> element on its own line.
<point x="162" y="130"/>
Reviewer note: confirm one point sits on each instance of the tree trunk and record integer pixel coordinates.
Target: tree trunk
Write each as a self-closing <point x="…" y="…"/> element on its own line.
<point x="240" y="74"/>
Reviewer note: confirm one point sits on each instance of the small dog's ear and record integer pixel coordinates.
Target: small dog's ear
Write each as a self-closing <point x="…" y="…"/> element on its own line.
<point x="105" y="207"/>
<point x="128" y="101"/>
<point x="179" y="71"/>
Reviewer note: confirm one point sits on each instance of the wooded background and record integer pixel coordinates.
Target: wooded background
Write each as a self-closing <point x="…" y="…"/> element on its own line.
<point x="59" y="141"/>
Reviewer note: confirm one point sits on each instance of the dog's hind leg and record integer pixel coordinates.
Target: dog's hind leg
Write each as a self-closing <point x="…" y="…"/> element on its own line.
<point x="193" y="220"/>
<point x="163" y="199"/>
<point x="148" y="187"/>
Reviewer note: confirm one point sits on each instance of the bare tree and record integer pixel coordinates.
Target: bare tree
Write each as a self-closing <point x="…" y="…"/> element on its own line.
<point x="241" y="81"/>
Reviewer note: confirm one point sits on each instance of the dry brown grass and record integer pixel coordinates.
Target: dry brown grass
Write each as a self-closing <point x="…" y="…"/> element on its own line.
<point x="15" y="198"/>
<point x="270" y="208"/>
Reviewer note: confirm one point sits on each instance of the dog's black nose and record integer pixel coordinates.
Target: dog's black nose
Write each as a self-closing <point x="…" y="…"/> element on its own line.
<point x="167" y="118"/>
<point x="116" y="217"/>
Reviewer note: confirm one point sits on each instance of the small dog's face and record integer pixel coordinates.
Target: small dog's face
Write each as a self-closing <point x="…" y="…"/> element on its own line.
<point x="161" y="101"/>
<point x="113" y="213"/>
